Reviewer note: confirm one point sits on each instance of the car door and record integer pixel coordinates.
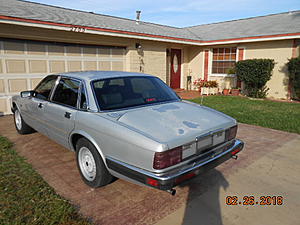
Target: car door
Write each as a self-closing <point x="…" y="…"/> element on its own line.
<point x="61" y="111"/>
<point x="34" y="107"/>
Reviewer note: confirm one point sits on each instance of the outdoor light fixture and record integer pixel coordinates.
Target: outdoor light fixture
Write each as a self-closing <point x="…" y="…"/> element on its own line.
<point x="138" y="46"/>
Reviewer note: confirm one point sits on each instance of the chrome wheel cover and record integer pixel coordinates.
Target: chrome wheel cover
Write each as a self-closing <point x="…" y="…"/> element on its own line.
<point x="18" y="120"/>
<point x="87" y="163"/>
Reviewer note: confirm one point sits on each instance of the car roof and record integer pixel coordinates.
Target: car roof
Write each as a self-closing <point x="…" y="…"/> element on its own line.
<point x="96" y="75"/>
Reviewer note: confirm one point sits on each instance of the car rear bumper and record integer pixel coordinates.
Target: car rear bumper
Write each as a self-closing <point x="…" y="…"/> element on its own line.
<point x="172" y="178"/>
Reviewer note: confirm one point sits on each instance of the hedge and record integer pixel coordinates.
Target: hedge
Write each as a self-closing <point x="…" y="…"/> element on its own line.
<point x="294" y="76"/>
<point x="255" y="73"/>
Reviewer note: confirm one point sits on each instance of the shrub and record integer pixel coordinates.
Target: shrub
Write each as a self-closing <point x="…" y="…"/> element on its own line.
<point x="212" y="84"/>
<point x="202" y="83"/>
<point x="294" y="76"/>
<point x="231" y="71"/>
<point x="255" y="73"/>
<point x="199" y="83"/>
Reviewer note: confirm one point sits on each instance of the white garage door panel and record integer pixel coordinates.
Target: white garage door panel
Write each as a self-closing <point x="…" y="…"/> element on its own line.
<point x="23" y="63"/>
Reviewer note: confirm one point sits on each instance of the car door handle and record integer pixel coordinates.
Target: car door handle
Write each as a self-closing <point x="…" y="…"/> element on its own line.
<point x="68" y="115"/>
<point x="40" y="105"/>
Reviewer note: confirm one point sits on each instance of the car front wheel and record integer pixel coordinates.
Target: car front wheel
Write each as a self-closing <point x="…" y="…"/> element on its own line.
<point x="20" y="124"/>
<point x="90" y="164"/>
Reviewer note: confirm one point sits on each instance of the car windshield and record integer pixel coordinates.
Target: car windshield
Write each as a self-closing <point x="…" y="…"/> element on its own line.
<point x="123" y="92"/>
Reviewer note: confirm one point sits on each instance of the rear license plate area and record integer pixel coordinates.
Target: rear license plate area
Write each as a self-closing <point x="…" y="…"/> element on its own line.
<point x="218" y="137"/>
<point x="188" y="150"/>
<point x="203" y="144"/>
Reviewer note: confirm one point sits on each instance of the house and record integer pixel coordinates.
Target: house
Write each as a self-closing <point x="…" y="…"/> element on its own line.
<point x="38" y="39"/>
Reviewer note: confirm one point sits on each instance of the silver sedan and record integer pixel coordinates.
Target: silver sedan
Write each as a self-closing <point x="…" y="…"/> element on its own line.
<point x="127" y="125"/>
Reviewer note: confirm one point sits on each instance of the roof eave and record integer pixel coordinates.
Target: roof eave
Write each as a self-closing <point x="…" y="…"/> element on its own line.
<point x="143" y="36"/>
<point x="95" y="30"/>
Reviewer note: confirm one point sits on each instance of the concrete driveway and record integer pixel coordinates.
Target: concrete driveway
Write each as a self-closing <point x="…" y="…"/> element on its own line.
<point x="268" y="166"/>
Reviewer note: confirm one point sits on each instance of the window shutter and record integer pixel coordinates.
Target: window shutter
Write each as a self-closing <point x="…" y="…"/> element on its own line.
<point x="206" y="55"/>
<point x="241" y="56"/>
<point x="241" y="53"/>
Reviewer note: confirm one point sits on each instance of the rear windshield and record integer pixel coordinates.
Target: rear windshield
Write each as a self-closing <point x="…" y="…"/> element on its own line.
<point x="123" y="92"/>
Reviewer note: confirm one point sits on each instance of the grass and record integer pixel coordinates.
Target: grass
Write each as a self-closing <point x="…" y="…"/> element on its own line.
<point x="25" y="198"/>
<point x="277" y="115"/>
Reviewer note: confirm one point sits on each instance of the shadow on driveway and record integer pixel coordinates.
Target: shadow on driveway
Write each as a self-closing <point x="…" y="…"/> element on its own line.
<point x="203" y="202"/>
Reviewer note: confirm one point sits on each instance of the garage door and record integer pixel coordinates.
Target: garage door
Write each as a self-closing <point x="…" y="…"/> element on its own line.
<point x="23" y="63"/>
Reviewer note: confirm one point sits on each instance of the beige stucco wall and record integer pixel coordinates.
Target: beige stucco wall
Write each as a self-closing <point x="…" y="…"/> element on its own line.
<point x="280" y="51"/>
<point x="195" y="65"/>
<point x="155" y="60"/>
<point x="151" y="58"/>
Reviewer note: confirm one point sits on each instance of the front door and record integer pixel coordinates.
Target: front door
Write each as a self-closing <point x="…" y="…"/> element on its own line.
<point x="34" y="109"/>
<point x="175" y="68"/>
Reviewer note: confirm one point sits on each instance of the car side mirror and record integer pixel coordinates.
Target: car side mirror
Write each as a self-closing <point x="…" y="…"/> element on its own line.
<point x="26" y="94"/>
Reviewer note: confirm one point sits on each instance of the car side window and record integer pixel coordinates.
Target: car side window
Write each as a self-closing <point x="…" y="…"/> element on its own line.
<point x="83" y="101"/>
<point x="43" y="90"/>
<point x="66" y="92"/>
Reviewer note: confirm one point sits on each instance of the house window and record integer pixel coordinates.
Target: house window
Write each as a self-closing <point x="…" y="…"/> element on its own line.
<point x="223" y="60"/>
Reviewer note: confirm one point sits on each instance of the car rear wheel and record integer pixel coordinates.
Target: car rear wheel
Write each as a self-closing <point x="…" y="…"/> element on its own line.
<point x="20" y="124"/>
<point x="90" y="164"/>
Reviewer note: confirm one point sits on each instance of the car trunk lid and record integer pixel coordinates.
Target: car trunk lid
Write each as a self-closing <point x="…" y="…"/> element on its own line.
<point x="175" y="123"/>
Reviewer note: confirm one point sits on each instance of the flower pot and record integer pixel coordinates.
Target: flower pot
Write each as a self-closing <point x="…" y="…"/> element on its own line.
<point x="226" y="91"/>
<point x="214" y="90"/>
<point x="205" y="90"/>
<point x="235" y="92"/>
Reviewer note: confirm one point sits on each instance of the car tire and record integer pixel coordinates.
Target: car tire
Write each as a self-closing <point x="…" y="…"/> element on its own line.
<point x="21" y="126"/>
<point x="90" y="164"/>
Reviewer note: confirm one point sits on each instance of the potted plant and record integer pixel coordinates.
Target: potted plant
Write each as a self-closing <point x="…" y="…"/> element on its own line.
<point x="226" y="91"/>
<point x="213" y="86"/>
<point x="199" y="84"/>
<point x="205" y="87"/>
<point x="235" y="91"/>
<point x="231" y="72"/>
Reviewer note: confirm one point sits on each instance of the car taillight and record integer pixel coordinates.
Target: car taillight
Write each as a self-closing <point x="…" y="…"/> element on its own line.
<point x="236" y="151"/>
<point x="231" y="133"/>
<point x="152" y="182"/>
<point x="168" y="158"/>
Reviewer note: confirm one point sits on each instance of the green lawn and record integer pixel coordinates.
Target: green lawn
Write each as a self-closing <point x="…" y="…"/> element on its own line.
<point x="25" y="198"/>
<point x="277" y="115"/>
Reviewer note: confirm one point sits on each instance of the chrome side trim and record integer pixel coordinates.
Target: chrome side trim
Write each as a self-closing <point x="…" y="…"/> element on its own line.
<point x="173" y="174"/>
<point x="54" y="88"/>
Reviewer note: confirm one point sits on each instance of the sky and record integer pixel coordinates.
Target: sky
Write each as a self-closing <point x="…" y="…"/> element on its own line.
<point x="180" y="13"/>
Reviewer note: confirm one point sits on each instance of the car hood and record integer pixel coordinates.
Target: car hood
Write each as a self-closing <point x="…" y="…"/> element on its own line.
<point x="174" y="123"/>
